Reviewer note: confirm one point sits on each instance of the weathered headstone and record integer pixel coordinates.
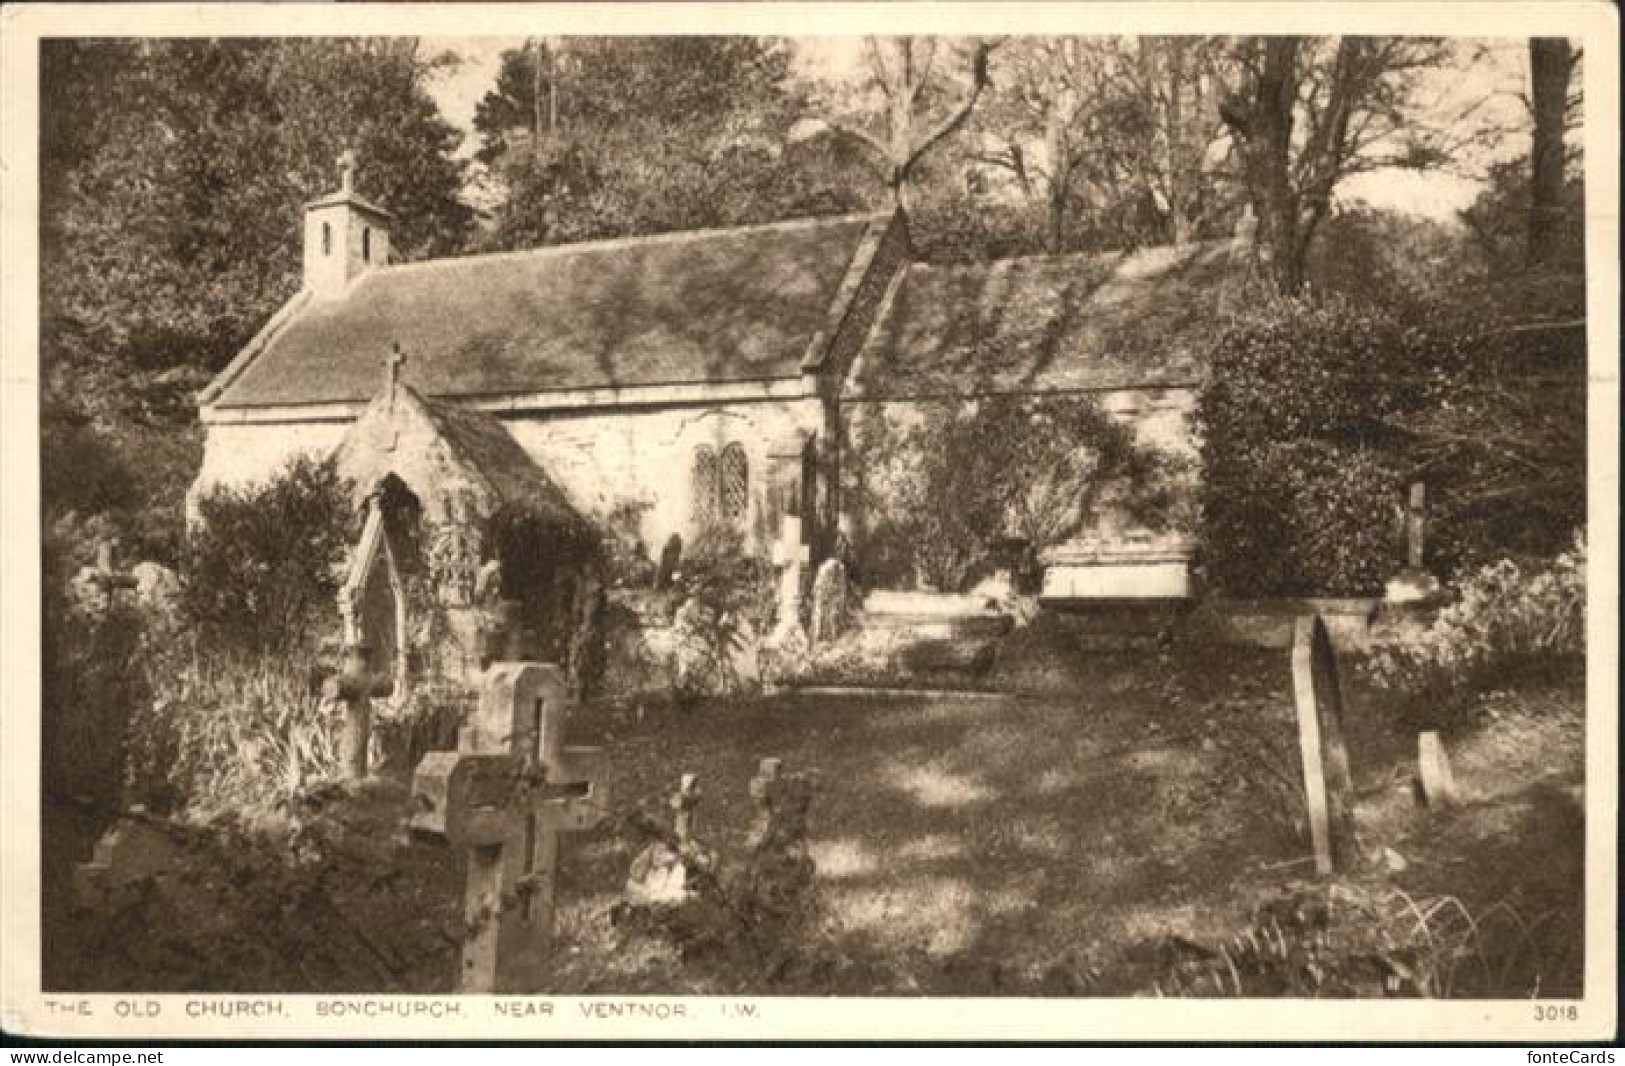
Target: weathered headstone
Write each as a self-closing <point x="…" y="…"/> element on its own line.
<point x="1438" y="783"/>
<point x="96" y="586"/>
<point x="1327" y="780"/>
<point x="831" y="610"/>
<point x="671" y="556"/>
<point x="1413" y="583"/>
<point x="791" y="555"/>
<point x="355" y="686"/>
<point x="779" y="869"/>
<point x="663" y="874"/>
<point x="504" y="796"/>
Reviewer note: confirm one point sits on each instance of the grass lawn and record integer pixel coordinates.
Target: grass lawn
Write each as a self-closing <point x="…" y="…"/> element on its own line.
<point x="1138" y="833"/>
<point x="1067" y="844"/>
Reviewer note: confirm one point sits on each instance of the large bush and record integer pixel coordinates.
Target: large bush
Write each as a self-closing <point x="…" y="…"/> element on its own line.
<point x="1302" y="461"/>
<point x="264" y="563"/>
<point x="1509" y="615"/>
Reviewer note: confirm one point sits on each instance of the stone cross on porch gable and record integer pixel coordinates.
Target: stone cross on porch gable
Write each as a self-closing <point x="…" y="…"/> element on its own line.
<point x="504" y="796"/>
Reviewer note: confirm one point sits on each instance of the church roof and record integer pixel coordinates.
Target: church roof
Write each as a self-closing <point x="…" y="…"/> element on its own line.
<point x="1046" y="324"/>
<point x="451" y="458"/>
<point x="708" y="306"/>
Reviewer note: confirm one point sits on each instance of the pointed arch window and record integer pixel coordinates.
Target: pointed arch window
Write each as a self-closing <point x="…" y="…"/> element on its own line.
<point x="721" y="484"/>
<point x="705" y="485"/>
<point x="327" y="238"/>
<point x="366" y="244"/>
<point x="733" y="482"/>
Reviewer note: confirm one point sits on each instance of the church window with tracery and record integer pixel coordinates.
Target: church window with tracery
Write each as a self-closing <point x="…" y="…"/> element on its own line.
<point x="705" y="485"/>
<point x="721" y="484"/>
<point x="732" y="477"/>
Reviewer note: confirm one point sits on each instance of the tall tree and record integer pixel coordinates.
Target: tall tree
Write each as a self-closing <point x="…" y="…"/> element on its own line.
<point x="171" y="231"/>
<point x="646" y="134"/>
<point x="1306" y="113"/>
<point x="914" y="106"/>
<point x="1551" y="63"/>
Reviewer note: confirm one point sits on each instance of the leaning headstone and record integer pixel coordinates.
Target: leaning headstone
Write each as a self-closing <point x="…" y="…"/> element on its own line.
<point x="831" y="611"/>
<point x="157" y="590"/>
<point x="1438" y="783"/>
<point x="1327" y="780"/>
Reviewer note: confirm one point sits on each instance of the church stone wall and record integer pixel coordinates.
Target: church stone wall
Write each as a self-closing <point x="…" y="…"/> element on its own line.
<point x="1161" y="418"/>
<point x="645" y="458"/>
<point x="237" y="455"/>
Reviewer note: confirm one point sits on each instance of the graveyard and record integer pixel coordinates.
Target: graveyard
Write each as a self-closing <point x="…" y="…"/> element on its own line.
<point x="1139" y="829"/>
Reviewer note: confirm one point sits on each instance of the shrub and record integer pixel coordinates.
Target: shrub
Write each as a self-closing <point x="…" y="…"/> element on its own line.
<point x="1508" y="614"/>
<point x="949" y="490"/>
<point x="545" y="555"/>
<point x="264" y="563"/>
<point x="731" y="608"/>
<point x="1302" y="464"/>
<point x="230" y="735"/>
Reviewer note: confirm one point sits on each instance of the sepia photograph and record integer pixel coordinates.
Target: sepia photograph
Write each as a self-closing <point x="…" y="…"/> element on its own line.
<point x="625" y="527"/>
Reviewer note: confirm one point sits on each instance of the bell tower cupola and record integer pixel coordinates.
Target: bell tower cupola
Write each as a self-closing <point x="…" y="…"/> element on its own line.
<point x="345" y="236"/>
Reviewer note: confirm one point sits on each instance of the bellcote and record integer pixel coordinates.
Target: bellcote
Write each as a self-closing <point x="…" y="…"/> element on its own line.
<point x="345" y="236"/>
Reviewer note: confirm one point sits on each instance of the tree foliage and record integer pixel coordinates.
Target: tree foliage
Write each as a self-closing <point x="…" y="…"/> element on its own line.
<point x="170" y="230"/>
<point x="604" y="137"/>
<point x="1306" y="113"/>
<point x="1302" y="469"/>
<point x="263" y="563"/>
<point x="948" y="489"/>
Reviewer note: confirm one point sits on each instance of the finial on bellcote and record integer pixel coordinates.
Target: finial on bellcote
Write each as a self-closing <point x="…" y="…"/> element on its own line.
<point x="347" y="165"/>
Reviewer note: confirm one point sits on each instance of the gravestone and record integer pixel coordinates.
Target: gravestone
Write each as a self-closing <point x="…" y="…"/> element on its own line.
<point x="779" y="869"/>
<point x="831" y="611"/>
<point x="664" y="873"/>
<point x="355" y="685"/>
<point x="1433" y="765"/>
<point x="790" y="555"/>
<point x="95" y="587"/>
<point x="671" y="556"/>
<point x="504" y="796"/>
<point x="1327" y="780"/>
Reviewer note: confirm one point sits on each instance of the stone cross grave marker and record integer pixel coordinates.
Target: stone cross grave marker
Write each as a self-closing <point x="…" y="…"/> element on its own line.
<point x="1327" y="781"/>
<point x="1438" y="783"/>
<point x="792" y="555"/>
<point x="780" y="870"/>
<point x="659" y="876"/>
<point x="504" y="796"/>
<point x="1415" y="526"/>
<point x="96" y="586"/>
<point x="355" y="685"/>
<point x="1414" y="584"/>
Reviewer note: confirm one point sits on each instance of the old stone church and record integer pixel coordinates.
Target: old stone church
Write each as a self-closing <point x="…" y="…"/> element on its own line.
<point x="668" y="381"/>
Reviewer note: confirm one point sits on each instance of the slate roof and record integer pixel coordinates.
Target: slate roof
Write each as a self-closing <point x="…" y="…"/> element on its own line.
<point x="708" y="306"/>
<point x="1046" y="323"/>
